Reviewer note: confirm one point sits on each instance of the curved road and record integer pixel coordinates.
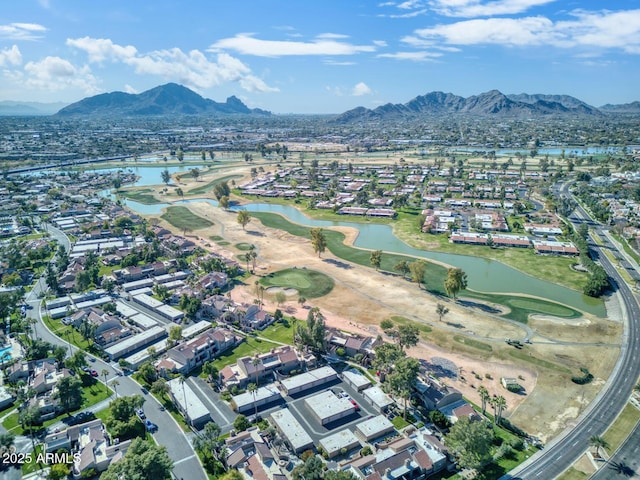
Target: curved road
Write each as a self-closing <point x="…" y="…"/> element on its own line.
<point x="564" y="450"/>
<point x="186" y="463"/>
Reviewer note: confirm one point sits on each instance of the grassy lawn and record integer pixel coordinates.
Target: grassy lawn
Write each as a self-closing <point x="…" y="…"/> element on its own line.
<point x="622" y="427"/>
<point x="279" y="332"/>
<point x="435" y="274"/>
<point x="399" y="422"/>
<point x="182" y="218"/>
<point x="243" y="246"/>
<point x="309" y="283"/>
<point x="216" y="238"/>
<point x="142" y="195"/>
<point x="207" y="187"/>
<point x="573" y="474"/>
<point x="249" y="347"/>
<point x="527" y="357"/>
<point x="399" y="320"/>
<point x="471" y="342"/>
<point x="33" y="466"/>
<point x="627" y="248"/>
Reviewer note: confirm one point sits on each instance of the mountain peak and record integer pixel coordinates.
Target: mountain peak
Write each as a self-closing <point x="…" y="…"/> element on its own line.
<point x="167" y="99"/>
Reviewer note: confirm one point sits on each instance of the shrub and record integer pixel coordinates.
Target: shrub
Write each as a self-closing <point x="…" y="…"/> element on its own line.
<point x="366" y="451"/>
<point x="340" y="352"/>
<point x="306" y="455"/>
<point x="584" y="379"/>
<point x="488" y="376"/>
<point x="514" y="387"/>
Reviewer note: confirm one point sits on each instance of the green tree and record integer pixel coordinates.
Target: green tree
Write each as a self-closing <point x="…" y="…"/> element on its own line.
<point x="211" y="446"/>
<point x="148" y="372"/>
<point x="418" y="269"/>
<point x="58" y="471"/>
<point x="280" y="298"/>
<point x="243" y="218"/>
<point x="598" y="442"/>
<point x="77" y="361"/>
<point x="318" y="241"/>
<point x="241" y="423"/>
<point x="175" y="334"/>
<point x="142" y="460"/>
<point x="221" y="190"/>
<point x="166" y="176"/>
<point x="376" y="258"/>
<point x="386" y="324"/>
<point x="160" y="388"/>
<point x="403" y="267"/>
<point x="499" y="405"/>
<point x="69" y="393"/>
<point x="312" y="333"/>
<point x="470" y="443"/>
<point x="312" y="469"/>
<point x="484" y="397"/>
<point x="224" y="202"/>
<point x="402" y="380"/>
<point x="456" y="280"/>
<point x="386" y="355"/>
<point x="441" y="310"/>
<point x="211" y="371"/>
<point x="195" y="173"/>
<point x="252" y="388"/>
<point x="408" y="336"/>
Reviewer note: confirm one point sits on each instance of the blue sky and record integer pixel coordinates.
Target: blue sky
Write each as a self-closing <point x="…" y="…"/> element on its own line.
<point x="320" y="56"/>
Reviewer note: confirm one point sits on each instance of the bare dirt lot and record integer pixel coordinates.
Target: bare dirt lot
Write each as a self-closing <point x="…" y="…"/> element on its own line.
<point x="471" y="339"/>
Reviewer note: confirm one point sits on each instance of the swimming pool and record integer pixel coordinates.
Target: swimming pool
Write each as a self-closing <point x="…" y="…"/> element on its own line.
<point x="5" y="353"/>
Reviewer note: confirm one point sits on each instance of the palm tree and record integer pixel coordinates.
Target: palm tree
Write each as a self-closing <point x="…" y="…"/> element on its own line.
<point x="253" y="388"/>
<point x="255" y="362"/>
<point x="598" y="442"/>
<point x="484" y="396"/>
<point x="105" y="374"/>
<point x="500" y="404"/>
<point x="115" y="384"/>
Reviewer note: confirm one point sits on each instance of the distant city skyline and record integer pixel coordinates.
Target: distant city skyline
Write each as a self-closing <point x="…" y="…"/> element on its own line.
<point x="320" y="56"/>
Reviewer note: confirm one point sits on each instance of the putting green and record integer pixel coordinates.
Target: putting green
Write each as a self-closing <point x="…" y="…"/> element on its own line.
<point x="309" y="283"/>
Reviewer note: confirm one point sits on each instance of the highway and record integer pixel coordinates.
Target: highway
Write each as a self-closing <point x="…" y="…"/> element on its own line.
<point x="564" y="450"/>
<point x="169" y="434"/>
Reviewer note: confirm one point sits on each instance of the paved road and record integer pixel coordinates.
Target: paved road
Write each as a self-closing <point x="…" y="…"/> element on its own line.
<point x="563" y="451"/>
<point x="625" y="463"/>
<point x="169" y="434"/>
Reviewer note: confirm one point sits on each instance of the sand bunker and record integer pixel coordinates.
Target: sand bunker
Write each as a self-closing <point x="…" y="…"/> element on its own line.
<point x="287" y="291"/>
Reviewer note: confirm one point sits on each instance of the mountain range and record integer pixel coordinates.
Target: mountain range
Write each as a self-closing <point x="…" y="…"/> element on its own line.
<point x="8" y="107"/>
<point x="492" y="103"/>
<point x="169" y="99"/>
<point x="174" y="99"/>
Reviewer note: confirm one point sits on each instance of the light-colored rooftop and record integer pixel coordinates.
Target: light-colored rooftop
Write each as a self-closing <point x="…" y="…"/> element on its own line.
<point x="326" y="404"/>
<point x="375" y="427"/>
<point x="291" y="428"/>
<point x="339" y="440"/>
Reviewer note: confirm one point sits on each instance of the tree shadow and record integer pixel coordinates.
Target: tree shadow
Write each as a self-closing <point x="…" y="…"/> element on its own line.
<point x="479" y="306"/>
<point x="622" y="468"/>
<point x="338" y="263"/>
<point x="255" y="233"/>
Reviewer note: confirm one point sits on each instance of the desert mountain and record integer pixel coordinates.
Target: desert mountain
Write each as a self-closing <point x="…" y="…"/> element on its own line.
<point x="169" y="99"/>
<point x="493" y="103"/>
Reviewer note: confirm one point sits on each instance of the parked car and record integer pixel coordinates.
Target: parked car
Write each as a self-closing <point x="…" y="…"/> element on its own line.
<point x="353" y="402"/>
<point x="150" y="426"/>
<point x="141" y="414"/>
<point x="93" y="373"/>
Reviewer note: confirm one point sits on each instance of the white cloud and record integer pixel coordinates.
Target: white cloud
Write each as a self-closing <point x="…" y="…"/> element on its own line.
<point x="339" y="64"/>
<point x="22" y="31"/>
<point x="477" y="8"/>
<point x="415" y="13"/>
<point x="248" y="45"/>
<point x="55" y="73"/>
<point x="412" y="56"/>
<point x="193" y="69"/>
<point x="10" y="56"/>
<point x="129" y="89"/>
<point x="361" y="89"/>
<point x="595" y="30"/>
<point x="503" y="31"/>
<point x="101" y="49"/>
<point x="410" y="4"/>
